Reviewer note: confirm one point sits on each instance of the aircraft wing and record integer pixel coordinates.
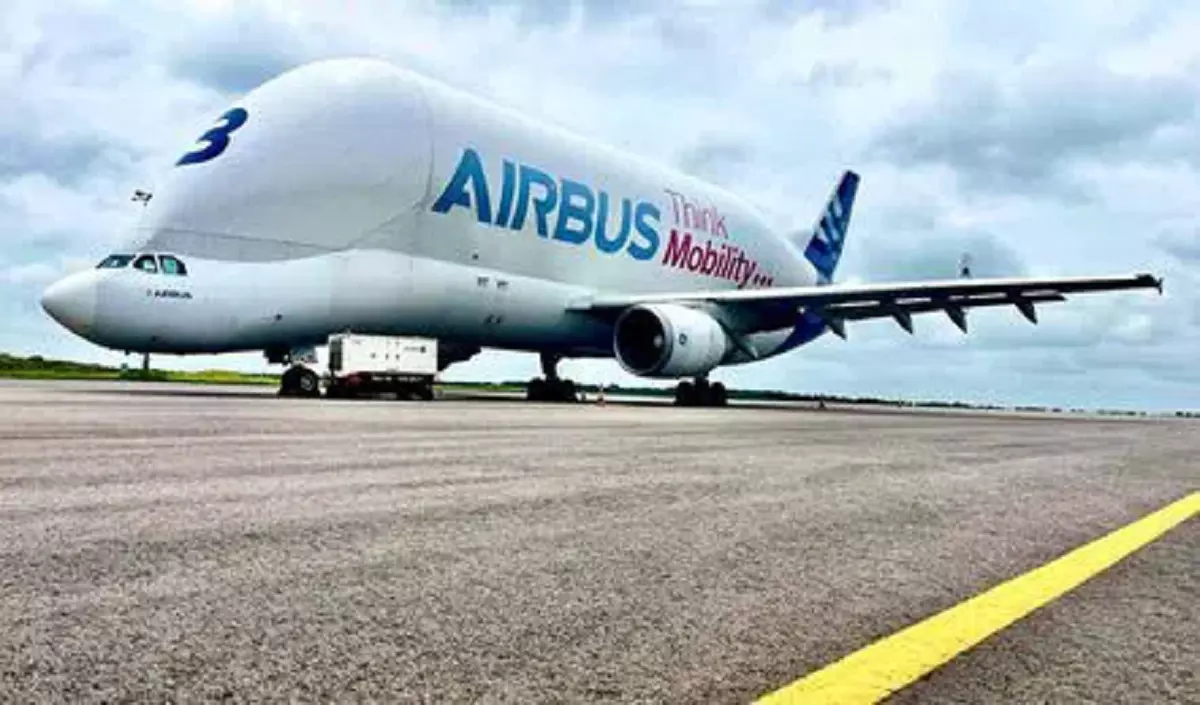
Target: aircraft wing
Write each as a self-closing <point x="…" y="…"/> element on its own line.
<point x="752" y="310"/>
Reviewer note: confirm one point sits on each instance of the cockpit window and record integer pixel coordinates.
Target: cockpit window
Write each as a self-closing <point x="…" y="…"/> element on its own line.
<point x="172" y="265"/>
<point x="147" y="264"/>
<point x="150" y="264"/>
<point x="115" y="262"/>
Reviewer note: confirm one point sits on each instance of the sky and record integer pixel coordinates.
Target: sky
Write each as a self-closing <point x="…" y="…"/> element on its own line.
<point x="1041" y="138"/>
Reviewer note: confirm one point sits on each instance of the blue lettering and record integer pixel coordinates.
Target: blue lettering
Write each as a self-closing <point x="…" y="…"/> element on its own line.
<point x="647" y="230"/>
<point x="469" y="171"/>
<point x="506" y="193"/>
<point x="541" y="207"/>
<point x="602" y="242"/>
<point x="571" y="210"/>
<point x="582" y="212"/>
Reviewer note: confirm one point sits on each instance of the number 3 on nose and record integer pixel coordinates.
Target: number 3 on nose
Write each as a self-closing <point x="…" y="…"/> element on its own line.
<point x="216" y="140"/>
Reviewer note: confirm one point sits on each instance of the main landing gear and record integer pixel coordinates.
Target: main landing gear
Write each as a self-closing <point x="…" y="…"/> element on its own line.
<point x="552" y="388"/>
<point x="701" y="393"/>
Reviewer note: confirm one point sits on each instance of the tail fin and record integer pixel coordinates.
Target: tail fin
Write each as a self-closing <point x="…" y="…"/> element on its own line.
<point x="824" y="249"/>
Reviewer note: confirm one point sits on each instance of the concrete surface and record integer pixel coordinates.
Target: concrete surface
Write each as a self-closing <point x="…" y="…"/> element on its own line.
<point x="196" y="543"/>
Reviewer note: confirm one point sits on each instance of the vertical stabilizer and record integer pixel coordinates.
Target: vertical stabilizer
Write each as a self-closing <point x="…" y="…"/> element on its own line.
<point x="824" y="248"/>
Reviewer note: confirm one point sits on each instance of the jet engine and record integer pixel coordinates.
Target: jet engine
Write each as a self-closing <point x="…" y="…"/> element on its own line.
<point x="668" y="340"/>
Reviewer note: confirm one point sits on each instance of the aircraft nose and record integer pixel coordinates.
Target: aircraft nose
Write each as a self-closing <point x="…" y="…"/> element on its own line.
<point x="72" y="302"/>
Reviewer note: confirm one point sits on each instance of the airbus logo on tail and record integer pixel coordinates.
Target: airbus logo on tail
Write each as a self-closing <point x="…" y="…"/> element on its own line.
<point x="562" y="209"/>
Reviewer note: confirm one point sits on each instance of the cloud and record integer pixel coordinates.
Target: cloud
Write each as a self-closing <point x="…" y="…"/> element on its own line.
<point x="1182" y="242"/>
<point x="229" y="66"/>
<point x="941" y="256"/>
<point x="553" y="12"/>
<point x="1022" y="131"/>
<point x="235" y="51"/>
<point x="32" y="273"/>
<point x="718" y="159"/>
<point x="65" y="159"/>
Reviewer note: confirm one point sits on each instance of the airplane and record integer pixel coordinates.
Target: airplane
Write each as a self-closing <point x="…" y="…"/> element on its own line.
<point x="356" y="195"/>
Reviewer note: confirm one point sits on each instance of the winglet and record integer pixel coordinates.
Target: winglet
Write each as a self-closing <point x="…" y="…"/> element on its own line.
<point x="1149" y="280"/>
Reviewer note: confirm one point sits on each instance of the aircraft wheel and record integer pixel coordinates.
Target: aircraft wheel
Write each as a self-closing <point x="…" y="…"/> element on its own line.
<point x="536" y="391"/>
<point x="567" y="391"/>
<point x="717" y="396"/>
<point x="685" y="394"/>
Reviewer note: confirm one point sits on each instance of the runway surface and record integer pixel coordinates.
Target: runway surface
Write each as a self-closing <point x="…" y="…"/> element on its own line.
<point x="198" y="543"/>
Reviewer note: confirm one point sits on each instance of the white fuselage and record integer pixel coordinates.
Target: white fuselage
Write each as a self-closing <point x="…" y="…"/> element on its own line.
<point x="351" y="195"/>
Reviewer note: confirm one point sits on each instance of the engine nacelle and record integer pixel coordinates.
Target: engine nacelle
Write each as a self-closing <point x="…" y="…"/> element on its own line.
<point x="668" y="340"/>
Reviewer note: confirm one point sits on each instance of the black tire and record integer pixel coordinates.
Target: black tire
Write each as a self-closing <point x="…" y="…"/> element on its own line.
<point x="426" y="392"/>
<point x="717" y="396"/>
<point x="685" y="394"/>
<point x="308" y="383"/>
<point x="289" y="383"/>
<point x="567" y="391"/>
<point x="537" y="390"/>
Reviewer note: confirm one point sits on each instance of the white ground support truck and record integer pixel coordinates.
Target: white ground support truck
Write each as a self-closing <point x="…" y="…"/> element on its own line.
<point x="367" y="365"/>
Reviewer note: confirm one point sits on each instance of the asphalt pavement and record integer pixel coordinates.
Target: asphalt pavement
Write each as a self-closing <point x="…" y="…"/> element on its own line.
<point x="169" y="542"/>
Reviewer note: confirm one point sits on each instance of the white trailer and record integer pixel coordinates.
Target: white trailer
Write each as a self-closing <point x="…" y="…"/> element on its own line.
<point x="362" y="365"/>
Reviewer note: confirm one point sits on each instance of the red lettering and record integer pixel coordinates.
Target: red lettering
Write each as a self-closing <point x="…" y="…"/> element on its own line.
<point x="710" y="258"/>
<point x="747" y="272"/>
<point x="676" y="200"/>
<point x="723" y="261"/>
<point x="677" y="249"/>
<point x="689" y="215"/>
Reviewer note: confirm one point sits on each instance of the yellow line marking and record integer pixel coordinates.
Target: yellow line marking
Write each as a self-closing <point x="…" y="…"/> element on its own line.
<point x="880" y="669"/>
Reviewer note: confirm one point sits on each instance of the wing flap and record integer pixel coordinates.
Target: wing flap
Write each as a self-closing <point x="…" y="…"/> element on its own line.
<point x="862" y="310"/>
<point x="956" y="310"/>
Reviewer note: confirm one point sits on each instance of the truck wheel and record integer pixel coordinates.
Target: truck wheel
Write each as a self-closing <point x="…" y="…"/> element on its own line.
<point x="308" y="384"/>
<point x="426" y="392"/>
<point x="289" y="383"/>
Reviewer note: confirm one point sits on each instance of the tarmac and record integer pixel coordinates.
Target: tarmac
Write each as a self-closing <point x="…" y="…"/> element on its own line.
<point x="180" y="543"/>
